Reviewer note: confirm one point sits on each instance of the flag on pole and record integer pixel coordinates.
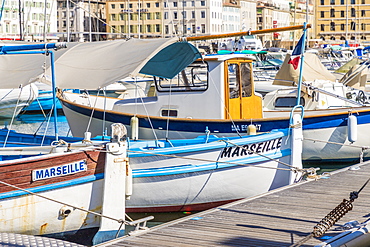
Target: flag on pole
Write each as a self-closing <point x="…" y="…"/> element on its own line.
<point x="297" y="53"/>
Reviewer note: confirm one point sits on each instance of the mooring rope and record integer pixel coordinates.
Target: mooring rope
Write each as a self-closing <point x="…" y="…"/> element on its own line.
<point x="336" y="143"/>
<point x="63" y="203"/>
<point x="331" y="218"/>
<point x="291" y="168"/>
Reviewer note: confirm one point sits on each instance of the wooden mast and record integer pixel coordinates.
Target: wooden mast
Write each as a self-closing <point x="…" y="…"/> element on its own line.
<point x="271" y="30"/>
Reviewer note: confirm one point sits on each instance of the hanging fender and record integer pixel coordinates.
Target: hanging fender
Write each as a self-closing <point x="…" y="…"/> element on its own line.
<point x="352" y="128"/>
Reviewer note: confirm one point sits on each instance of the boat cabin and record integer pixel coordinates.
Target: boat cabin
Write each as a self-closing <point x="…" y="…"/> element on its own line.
<point x="215" y="87"/>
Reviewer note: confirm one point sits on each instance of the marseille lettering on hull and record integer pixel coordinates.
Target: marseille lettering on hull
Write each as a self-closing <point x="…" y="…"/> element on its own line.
<point x="262" y="147"/>
<point x="58" y="171"/>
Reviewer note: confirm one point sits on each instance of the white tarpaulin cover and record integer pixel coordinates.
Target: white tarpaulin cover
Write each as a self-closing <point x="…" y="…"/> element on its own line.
<point x="313" y="69"/>
<point x="17" y="70"/>
<point x="98" y="64"/>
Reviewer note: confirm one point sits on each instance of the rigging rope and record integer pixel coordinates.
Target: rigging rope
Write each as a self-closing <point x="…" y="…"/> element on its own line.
<point x="292" y="168"/>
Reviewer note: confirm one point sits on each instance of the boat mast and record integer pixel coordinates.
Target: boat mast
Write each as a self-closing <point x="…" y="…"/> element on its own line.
<point x="20" y="20"/>
<point x="255" y="32"/>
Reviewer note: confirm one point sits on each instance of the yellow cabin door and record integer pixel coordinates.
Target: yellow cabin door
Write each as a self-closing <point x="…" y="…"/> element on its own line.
<point x="241" y="101"/>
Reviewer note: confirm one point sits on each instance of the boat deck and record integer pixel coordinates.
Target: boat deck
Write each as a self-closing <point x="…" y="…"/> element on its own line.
<point x="278" y="218"/>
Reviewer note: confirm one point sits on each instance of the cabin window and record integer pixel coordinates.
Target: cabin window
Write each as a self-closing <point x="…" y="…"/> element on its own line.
<point x="234" y="86"/>
<point x="288" y="102"/>
<point x="193" y="78"/>
<point x="240" y="79"/>
<point x="168" y="113"/>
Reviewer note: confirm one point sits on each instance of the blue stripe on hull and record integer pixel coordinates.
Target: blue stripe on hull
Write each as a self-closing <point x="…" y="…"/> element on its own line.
<point x="325" y="121"/>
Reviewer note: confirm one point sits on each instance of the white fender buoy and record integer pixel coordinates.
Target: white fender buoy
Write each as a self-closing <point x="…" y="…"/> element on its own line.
<point x="251" y="130"/>
<point x="352" y="128"/>
<point x="128" y="181"/>
<point x="134" y="123"/>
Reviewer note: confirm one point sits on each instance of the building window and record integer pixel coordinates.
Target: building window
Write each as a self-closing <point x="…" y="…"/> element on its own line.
<point x="193" y="3"/>
<point x="363" y="13"/>
<point x="353" y="25"/>
<point x="363" y="26"/>
<point x="113" y="6"/>
<point x="353" y="12"/>
<point x="165" y="15"/>
<point x="113" y="17"/>
<point x="175" y="15"/>
<point x="342" y="13"/>
<point x="322" y="27"/>
<point x="332" y="26"/>
<point x="363" y="2"/>
<point x="193" y="14"/>
<point x="122" y="6"/>
<point x="332" y="12"/>
<point x="148" y="5"/>
<point x="342" y="27"/>
<point x="148" y="28"/>
<point x="183" y="14"/>
<point x="332" y="2"/>
<point x="203" y="27"/>
<point x="114" y="30"/>
<point x="157" y="28"/>
<point x="123" y="29"/>
<point x="202" y="3"/>
<point x="193" y="28"/>
<point x="157" y="15"/>
<point x="342" y="2"/>
<point x="130" y="5"/>
<point x="165" y="4"/>
<point x="148" y="16"/>
<point x="157" y="5"/>
<point x="174" y="4"/>
<point x="183" y="3"/>
<point x="121" y="17"/>
<point x="332" y="37"/>
<point x="322" y="2"/>
<point x="353" y="1"/>
<point x="322" y="14"/>
<point x="166" y="30"/>
<point x="203" y="14"/>
<point x="363" y="37"/>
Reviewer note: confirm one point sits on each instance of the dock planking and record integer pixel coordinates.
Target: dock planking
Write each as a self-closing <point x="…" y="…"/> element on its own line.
<point x="278" y="218"/>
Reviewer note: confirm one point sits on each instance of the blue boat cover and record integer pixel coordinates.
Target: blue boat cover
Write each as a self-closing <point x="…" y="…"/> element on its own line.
<point x="171" y="60"/>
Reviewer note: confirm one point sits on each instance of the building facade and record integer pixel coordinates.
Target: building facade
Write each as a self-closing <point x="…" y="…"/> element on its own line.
<point x="81" y="20"/>
<point x="341" y="20"/>
<point x="28" y="20"/>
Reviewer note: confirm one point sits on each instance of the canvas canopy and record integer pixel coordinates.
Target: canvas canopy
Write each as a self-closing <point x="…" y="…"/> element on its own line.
<point x="98" y="64"/>
<point x="313" y="69"/>
<point x="19" y="70"/>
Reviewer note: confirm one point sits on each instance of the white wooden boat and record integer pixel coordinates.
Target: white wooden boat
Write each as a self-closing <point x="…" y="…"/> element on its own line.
<point x="210" y="97"/>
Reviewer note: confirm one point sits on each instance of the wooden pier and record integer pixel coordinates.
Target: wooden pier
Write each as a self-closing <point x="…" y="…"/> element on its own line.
<point x="278" y="218"/>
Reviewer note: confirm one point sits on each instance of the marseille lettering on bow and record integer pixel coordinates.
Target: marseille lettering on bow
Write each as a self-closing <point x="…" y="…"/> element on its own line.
<point x="58" y="171"/>
<point x="235" y="151"/>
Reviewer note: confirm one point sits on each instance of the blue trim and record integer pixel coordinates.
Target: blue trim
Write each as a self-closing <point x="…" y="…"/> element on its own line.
<point x="59" y="185"/>
<point x="174" y="170"/>
<point x="185" y="147"/>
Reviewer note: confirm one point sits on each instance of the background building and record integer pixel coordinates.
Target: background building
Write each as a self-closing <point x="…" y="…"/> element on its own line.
<point x="340" y="20"/>
<point x="28" y="20"/>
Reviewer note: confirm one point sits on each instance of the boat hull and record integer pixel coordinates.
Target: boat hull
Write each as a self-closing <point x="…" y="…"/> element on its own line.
<point x="328" y="127"/>
<point x="26" y="213"/>
<point x="199" y="177"/>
